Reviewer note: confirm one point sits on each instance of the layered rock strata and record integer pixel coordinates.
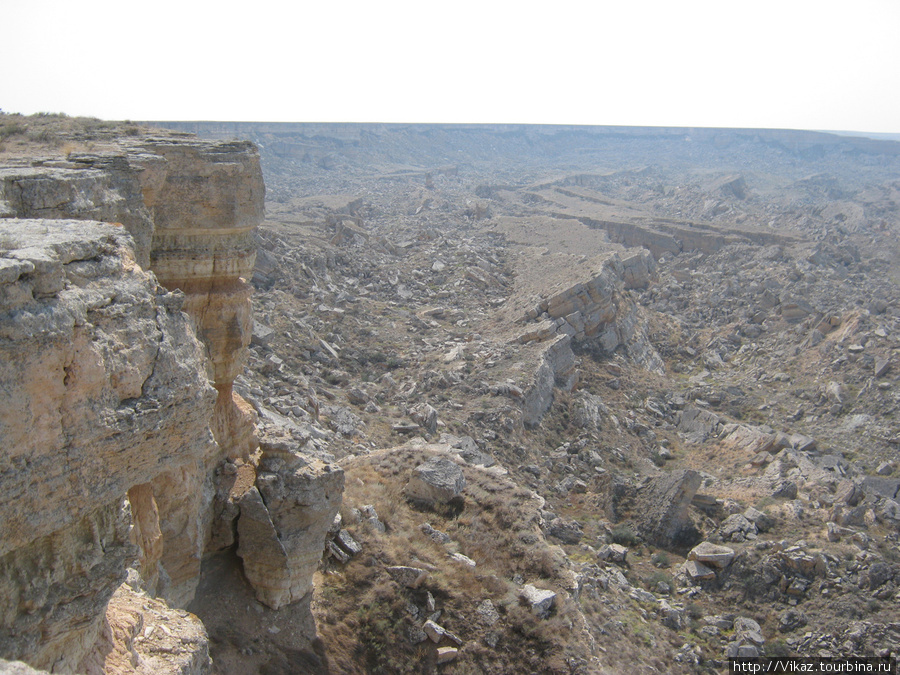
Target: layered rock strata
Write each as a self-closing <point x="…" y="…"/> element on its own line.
<point x="205" y="201"/>
<point x="284" y="519"/>
<point x="117" y="405"/>
<point x="103" y="389"/>
<point x="88" y="187"/>
<point x="595" y="311"/>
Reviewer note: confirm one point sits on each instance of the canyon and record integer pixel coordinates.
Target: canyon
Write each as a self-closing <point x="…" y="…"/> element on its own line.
<point x="287" y="398"/>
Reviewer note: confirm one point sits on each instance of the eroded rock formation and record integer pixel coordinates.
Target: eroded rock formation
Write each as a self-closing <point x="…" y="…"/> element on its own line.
<point x="103" y="389"/>
<point x="205" y="200"/>
<point x="594" y="311"/>
<point x="116" y="402"/>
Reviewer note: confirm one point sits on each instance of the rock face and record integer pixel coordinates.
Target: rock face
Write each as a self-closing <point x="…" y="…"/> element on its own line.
<point x="663" y="505"/>
<point x="596" y="312"/>
<point x="90" y="187"/>
<point x="283" y="524"/>
<point x="103" y="389"/>
<point x="111" y="428"/>
<point x="205" y="201"/>
<point x="145" y="636"/>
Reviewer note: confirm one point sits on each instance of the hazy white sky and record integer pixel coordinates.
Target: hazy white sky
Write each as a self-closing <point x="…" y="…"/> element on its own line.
<point x="787" y="63"/>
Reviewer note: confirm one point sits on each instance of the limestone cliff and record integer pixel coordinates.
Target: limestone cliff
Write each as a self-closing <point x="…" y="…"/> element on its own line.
<point x="102" y="389"/>
<point x="116" y="403"/>
<point x="205" y="201"/>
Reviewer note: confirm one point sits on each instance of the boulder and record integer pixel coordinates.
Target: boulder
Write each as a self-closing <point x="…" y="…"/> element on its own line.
<point x="540" y="601"/>
<point x="712" y="555"/>
<point x="283" y="526"/>
<point x="439" y="480"/>
<point x="436" y="633"/>
<point x="567" y="531"/>
<point x="664" y="505"/>
<point x="446" y="654"/>
<point x="697" y="571"/>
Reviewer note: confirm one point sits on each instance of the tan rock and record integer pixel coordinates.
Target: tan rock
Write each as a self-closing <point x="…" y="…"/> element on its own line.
<point x="103" y="384"/>
<point x="446" y="654"/>
<point x="144" y="636"/>
<point x="712" y="555"/>
<point x="283" y="525"/>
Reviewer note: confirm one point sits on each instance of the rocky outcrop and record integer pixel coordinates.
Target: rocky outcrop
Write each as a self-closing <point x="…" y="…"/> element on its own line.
<point x="114" y="431"/>
<point x="87" y="187"/>
<point x="283" y="523"/>
<point x="437" y="481"/>
<point x="663" y="506"/>
<point x="145" y="636"/>
<point x="103" y="389"/>
<point x="205" y="201"/>
<point x="596" y="313"/>
<point x="556" y="370"/>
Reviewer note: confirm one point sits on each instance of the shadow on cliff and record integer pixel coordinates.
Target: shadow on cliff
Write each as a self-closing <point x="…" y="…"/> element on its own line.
<point x="245" y="636"/>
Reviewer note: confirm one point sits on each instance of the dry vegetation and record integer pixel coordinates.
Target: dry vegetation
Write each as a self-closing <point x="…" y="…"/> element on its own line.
<point x="367" y="619"/>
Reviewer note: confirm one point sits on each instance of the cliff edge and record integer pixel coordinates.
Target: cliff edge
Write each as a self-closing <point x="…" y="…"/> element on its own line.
<point x="125" y="316"/>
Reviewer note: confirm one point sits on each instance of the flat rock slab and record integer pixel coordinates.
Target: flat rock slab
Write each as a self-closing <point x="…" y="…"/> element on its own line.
<point x="697" y="571"/>
<point x="712" y="555"/>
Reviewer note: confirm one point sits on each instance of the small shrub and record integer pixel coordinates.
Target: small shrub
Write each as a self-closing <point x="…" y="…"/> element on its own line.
<point x="624" y="535"/>
<point x="658" y="577"/>
<point x="776" y="648"/>
<point x="12" y="129"/>
<point x="660" y="559"/>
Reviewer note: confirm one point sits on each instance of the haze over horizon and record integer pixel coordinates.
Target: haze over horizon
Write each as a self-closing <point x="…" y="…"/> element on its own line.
<point x="800" y="65"/>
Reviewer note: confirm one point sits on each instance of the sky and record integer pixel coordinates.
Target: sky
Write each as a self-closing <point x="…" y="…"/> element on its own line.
<point x="796" y="64"/>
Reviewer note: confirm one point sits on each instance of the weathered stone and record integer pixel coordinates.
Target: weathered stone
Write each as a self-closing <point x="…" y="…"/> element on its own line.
<point x="105" y="189"/>
<point x="802" y="443"/>
<point x="143" y="635"/>
<point x="696" y="424"/>
<point x="748" y="440"/>
<point x="763" y="521"/>
<point x="409" y="577"/>
<point x="697" y="571"/>
<point x="464" y="559"/>
<point x="487" y="612"/>
<point x="540" y="601"/>
<point x="283" y="524"/>
<point x="883" y="486"/>
<point x="348" y="543"/>
<point x="712" y="555"/>
<point x="736" y="527"/>
<point x="446" y="654"/>
<point x="336" y="552"/>
<point x="439" y="480"/>
<point x="435" y="535"/>
<point x="785" y="489"/>
<point x="123" y="401"/>
<point x="425" y="416"/>
<point x="567" y="531"/>
<point x="662" y="508"/>
<point x="613" y="553"/>
<point x="436" y="633"/>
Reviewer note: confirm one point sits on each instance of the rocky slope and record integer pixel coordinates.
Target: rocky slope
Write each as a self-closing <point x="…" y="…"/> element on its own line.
<point x="603" y="400"/>
<point x="731" y="386"/>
